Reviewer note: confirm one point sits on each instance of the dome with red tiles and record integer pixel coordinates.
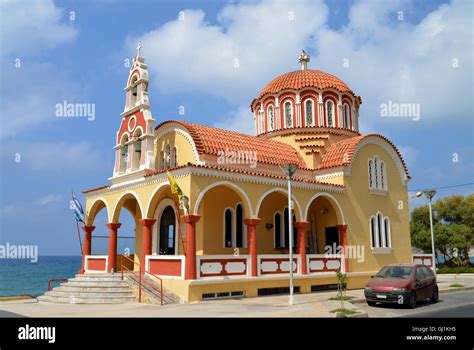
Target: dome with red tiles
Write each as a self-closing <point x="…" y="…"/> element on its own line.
<point x="305" y="98"/>
<point x="305" y="78"/>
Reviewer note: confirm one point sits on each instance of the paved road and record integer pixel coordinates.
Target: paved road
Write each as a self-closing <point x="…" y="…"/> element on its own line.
<point x="455" y="304"/>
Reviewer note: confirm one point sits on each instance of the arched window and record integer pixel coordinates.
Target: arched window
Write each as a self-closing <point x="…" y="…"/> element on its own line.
<point x="174" y="157"/>
<point x="380" y="231"/>
<point x="133" y="92"/>
<point x="377" y="174"/>
<point x="383" y="180"/>
<point x="277" y="230"/>
<point x="228" y="228"/>
<point x="239" y="226"/>
<point x="373" y="231"/>
<point x="330" y="113"/>
<point x="380" y="234"/>
<point x="371" y="170"/>
<point x="376" y="171"/>
<point x="167" y="156"/>
<point x="387" y="233"/>
<point x="288" y="115"/>
<point x="271" y="118"/>
<point x="124" y="158"/>
<point x="347" y="117"/>
<point x="137" y="150"/>
<point x="309" y="113"/>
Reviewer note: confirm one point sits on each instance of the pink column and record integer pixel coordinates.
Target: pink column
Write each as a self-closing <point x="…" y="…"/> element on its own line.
<point x="112" y="260"/>
<point x="86" y="250"/>
<point x="252" y="242"/>
<point x="146" y="240"/>
<point x="190" y="261"/>
<point x="301" y="238"/>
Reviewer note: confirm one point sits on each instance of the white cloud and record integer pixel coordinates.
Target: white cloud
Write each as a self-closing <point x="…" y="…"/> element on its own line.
<point x="402" y="62"/>
<point x="262" y="39"/>
<point x="31" y="26"/>
<point x="389" y="60"/>
<point x="49" y="199"/>
<point x="29" y="29"/>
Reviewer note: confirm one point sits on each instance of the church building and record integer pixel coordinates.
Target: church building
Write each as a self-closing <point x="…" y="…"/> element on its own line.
<point x="229" y="234"/>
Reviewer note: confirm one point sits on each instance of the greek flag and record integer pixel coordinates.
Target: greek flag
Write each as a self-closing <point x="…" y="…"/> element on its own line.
<point x="76" y="206"/>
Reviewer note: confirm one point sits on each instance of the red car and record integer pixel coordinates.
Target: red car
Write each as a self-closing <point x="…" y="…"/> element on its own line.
<point x="403" y="284"/>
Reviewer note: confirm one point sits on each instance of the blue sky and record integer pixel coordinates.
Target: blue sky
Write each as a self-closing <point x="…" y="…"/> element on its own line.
<point x="191" y="65"/>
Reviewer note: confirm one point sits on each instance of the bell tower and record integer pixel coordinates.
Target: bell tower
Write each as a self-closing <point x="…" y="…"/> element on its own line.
<point x="134" y="143"/>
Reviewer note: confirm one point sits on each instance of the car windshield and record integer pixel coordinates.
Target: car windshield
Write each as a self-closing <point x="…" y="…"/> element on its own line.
<point x="395" y="272"/>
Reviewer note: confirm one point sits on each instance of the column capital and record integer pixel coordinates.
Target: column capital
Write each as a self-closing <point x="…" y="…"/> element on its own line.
<point x="114" y="225"/>
<point x="252" y="221"/>
<point x="191" y="218"/>
<point x="301" y="224"/>
<point x="147" y="222"/>
<point x="88" y="229"/>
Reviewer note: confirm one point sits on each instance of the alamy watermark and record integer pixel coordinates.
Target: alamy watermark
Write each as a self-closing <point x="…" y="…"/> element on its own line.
<point x="233" y="157"/>
<point x="356" y="252"/>
<point x="75" y="110"/>
<point x="400" y="110"/>
<point x="13" y="251"/>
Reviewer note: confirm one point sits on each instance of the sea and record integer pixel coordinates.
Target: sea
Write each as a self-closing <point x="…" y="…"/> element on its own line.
<point x="20" y="276"/>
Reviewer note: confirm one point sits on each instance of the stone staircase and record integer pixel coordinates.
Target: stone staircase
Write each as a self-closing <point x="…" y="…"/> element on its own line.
<point x="91" y="289"/>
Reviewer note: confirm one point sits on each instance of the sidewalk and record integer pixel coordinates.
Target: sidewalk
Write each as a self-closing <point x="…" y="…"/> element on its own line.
<point x="306" y="305"/>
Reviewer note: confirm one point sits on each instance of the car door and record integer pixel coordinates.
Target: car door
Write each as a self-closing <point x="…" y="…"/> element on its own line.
<point x="420" y="284"/>
<point x="430" y="281"/>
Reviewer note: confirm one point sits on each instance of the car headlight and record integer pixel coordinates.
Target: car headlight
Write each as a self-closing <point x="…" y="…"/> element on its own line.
<point x="399" y="290"/>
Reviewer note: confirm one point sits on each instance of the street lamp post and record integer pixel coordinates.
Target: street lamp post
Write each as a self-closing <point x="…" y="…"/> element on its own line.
<point x="430" y="194"/>
<point x="289" y="170"/>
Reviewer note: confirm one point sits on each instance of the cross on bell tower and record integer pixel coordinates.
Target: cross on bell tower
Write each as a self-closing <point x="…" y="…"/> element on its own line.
<point x="139" y="46"/>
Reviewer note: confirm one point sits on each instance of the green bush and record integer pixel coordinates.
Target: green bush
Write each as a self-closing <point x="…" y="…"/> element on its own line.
<point x="463" y="269"/>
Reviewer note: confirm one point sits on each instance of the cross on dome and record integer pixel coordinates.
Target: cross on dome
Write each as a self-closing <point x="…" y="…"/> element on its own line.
<point x="304" y="59"/>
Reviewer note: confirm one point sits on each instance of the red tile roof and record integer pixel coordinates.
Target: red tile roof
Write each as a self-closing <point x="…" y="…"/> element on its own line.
<point x="341" y="153"/>
<point x="212" y="140"/>
<point x="305" y="78"/>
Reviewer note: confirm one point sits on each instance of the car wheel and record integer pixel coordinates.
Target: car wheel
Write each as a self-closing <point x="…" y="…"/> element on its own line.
<point x="412" y="300"/>
<point x="435" y="296"/>
<point x="371" y="303"/>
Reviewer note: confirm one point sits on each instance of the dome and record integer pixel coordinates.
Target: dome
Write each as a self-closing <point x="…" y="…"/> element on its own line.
<point x="299" y="79"/>
<point x="305" y="98"/>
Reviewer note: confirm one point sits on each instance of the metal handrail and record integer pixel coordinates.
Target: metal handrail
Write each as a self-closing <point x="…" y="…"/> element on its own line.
<point x="140" y="280"/>
<point x="54" y="280"/>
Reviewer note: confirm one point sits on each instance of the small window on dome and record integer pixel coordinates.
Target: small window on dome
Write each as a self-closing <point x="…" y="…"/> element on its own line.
<point x="309" y="113"/>
<point x="271" y="118"/>
<point x="330" y="113"/>
<point x="346" y="121"/>
<point x="288" y="115"/>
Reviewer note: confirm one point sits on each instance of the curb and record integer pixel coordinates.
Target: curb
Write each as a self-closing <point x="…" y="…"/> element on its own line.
<point x="455" y="289"/>
<point x="441" y="291"/>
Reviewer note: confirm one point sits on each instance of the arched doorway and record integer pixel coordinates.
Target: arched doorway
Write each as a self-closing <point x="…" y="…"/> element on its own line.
<point x="167" y="232"/>
<point x="324" y="214"/>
